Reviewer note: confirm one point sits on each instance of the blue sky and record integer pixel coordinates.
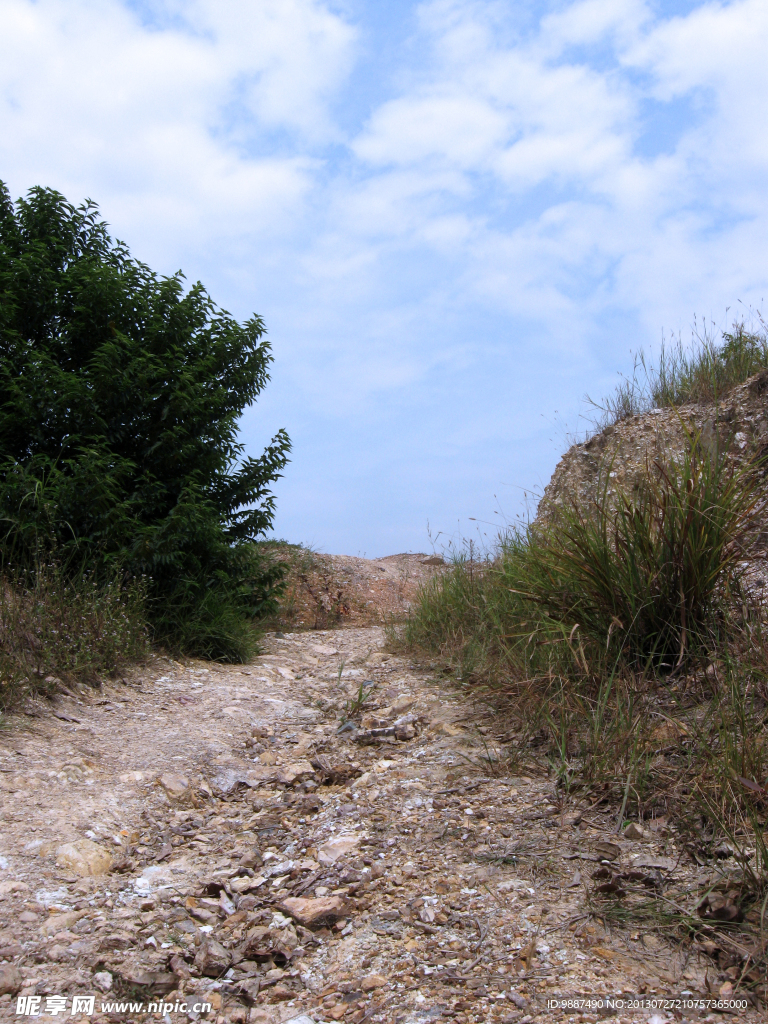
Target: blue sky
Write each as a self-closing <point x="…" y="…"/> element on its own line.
<point x="456" y="217"/>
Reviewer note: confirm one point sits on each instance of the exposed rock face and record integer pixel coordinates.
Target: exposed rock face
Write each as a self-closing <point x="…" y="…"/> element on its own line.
<point x="619" y="457"/>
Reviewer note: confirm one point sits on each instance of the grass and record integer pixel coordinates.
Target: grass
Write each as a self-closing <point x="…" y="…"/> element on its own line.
<point x="625" y="658"/>
<point x="57" y="628"/>
<point x="702" y="372"/>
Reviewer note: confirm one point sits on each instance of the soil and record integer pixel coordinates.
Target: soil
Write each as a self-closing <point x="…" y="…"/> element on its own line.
<point x="331" y="831"/>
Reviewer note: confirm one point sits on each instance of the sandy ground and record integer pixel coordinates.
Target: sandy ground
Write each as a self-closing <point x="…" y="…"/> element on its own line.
<point x="255" y="838"/>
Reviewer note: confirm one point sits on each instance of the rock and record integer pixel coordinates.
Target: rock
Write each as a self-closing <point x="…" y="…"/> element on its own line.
<point x="331" y="850"/>
<point x="10" y="980"/>
<point x="313" y="912"/>
<point x="212" y="958"/>
<point x="176" y="786"/>
<point x="607" y="851"/>
<point x="179" y="967"/>
<point x="280" y="993"/>
<point x="296" y="772"/>
<point x="248" y="990"/>
<point x="84" y="857"/>
<point x="27" y="917"/>
<point x="158" y="982"/>
<point x="373" y="981"/>
<point x="116" y="940"/>
<point x="633" y="831"/>
<point x="103" y="981"/>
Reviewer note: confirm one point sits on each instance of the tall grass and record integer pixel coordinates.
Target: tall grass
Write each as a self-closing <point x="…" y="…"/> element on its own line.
<point x="702" y="372"/>
<point x="638" y="581"/>
<point x="56" y="624"/>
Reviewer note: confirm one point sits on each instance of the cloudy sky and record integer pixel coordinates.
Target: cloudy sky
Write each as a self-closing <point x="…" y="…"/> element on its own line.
<point x="456" y="217"/>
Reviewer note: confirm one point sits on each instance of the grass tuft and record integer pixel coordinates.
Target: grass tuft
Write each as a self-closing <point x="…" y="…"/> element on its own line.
<point x="54" y="625"/>
<point x="702" y="372"/>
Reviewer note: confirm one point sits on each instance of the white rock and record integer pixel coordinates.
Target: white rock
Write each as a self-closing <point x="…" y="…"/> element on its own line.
<point x="103" y="980"/>
<point x="84" y="857"/>
<point x="331" y="850"/>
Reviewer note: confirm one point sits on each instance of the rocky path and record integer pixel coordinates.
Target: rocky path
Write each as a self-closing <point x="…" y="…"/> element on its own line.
<point x="260" y="840"/>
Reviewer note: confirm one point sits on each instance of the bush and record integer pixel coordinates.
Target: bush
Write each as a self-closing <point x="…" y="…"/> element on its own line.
<point x="120" y="396"/>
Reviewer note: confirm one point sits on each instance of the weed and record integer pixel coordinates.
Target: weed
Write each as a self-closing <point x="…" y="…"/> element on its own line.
<point x="54" y="624"/>
<point x="353" y="707"/>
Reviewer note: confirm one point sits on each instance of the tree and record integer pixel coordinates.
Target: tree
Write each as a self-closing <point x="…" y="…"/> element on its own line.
<point x="120" y="397"/>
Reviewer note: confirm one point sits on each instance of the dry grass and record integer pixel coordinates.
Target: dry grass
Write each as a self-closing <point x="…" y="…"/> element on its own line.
<point x="53" y="626"/>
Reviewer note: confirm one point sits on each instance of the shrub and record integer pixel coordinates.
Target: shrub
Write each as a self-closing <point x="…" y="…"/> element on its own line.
<point x="120" y="396"/>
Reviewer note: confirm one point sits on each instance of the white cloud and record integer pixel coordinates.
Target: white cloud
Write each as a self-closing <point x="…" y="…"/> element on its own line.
<point x="167" y="122"/>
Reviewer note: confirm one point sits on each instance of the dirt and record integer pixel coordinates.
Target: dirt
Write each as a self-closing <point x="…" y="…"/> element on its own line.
<point x="331" y="590"/>
<point x="221" y="802"/>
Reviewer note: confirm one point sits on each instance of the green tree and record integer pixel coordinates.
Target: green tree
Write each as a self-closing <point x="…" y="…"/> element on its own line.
<point x="120" y="397"/>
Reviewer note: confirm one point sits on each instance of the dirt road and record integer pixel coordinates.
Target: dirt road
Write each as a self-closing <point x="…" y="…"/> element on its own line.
<point x="254" y="838"/>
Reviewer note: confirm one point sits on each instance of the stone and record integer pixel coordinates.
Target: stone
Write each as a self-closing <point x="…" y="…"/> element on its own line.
<point x="60" y="922"/>
<point x="633" y="831"/>
<point x="373" y="981"/>
<point x="280" y="993"/>
<point x="116" y="940"/>
<point x="103" y="981"/>
<point x="176" y="787"/>
<point x="331" y="850"/>
<point x="312" y="912"/>
<point x="158" y="982"/>
<point x="10" y="980"/>
<point x="84" y="857"/>
<point x="299" y="771"/>
<point x="607" y="850"/>
<point x="212" y="958"/>
<point x="27" y="917"/>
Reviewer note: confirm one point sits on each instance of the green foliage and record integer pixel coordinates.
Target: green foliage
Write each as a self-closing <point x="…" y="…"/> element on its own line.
<point x="120" y="396"/>
<point x="634" y="580"/>
<point x="641" y="575"/>
<point x="703" y="372"/>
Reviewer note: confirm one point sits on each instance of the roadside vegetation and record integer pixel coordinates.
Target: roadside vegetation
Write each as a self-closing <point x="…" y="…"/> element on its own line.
<point x="701" y="372"/>
<point x="128" y="509"/>
<point x="624" y="655"/>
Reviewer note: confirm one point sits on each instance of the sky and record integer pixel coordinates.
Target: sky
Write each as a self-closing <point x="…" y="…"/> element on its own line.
<point x="457" y="218"/>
